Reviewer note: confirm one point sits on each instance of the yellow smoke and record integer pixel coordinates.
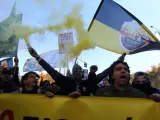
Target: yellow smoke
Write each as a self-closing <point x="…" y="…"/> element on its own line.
<point x="24" y="32"/>
<point x="72" y="20"/>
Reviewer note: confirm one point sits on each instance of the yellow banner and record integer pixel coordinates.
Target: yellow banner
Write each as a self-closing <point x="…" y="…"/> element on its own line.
<point x="39" y="107"/>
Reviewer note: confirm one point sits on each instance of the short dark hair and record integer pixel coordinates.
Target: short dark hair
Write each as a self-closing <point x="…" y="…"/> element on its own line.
<point x="112" y="67"/>
<point x="25" y="76"/>
<point x="94" y="67"/>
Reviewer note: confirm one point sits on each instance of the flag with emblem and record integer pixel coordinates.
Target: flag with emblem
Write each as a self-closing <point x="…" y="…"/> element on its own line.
<point x="116" y="29"/>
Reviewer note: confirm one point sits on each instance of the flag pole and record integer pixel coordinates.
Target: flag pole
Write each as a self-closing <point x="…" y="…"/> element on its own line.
<point x="67" y="63"/>
<point x="75" y="61"/>
<point x="16" y="56"/>
<point x="60" y="66"/>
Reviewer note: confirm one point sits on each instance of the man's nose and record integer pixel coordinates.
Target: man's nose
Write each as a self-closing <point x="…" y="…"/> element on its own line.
<point x="123" y="70"/>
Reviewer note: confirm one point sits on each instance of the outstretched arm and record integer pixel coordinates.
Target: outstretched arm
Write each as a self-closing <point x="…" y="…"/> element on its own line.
<point x="16" y="72"/>
<point x="66" y="85"/>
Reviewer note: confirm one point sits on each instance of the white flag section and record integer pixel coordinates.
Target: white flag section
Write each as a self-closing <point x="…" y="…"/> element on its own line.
<point x="53" y="58"/>
<point x="65" y="41"/>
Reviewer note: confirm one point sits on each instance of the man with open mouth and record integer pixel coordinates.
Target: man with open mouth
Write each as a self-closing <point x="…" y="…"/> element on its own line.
<point x="119" y="78"/>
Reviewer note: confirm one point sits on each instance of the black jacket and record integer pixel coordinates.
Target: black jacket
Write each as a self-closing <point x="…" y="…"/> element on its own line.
<point x="151" y="91"/>
<point x="9" y="87"/>
<point x="15" y="71"/>
<point x="94" y="79"/>
<point x="14" y="84"/>
<point x="68" y="85"/>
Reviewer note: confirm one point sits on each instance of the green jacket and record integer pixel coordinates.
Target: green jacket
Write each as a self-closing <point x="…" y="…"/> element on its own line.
<point x="128" y="91"/>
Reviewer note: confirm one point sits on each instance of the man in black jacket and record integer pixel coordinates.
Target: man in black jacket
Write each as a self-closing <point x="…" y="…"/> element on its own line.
<point x="9" y="78"/>
<point x="69" y="84"/>
<point x="66" y="84"/>
<point x="7" y="81"/>
<point x="29" y="85"/>
<point x="142" y="82"/>
<point x="92" y="81"/>
<point x="74" y="86"/>
<point x="15" y="71"/>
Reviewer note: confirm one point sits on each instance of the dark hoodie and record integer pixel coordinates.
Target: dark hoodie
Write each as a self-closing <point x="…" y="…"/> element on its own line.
<point x="145" y="87"/>
<point x="9" y="87"/>
<point x="9" y="80"/>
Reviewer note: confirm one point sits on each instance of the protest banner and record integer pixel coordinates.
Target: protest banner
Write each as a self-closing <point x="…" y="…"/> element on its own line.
<point x="39" y="107"/>
<point x="65" y="40"/>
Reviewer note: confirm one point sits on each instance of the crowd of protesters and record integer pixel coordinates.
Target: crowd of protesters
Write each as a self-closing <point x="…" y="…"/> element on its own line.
<point x="115" y="81"/>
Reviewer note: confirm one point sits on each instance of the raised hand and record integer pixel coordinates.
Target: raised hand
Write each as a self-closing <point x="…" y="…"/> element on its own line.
<point x="75" y="94"/>
<point x="33" y="52"/>
<point x="155" y="97"/>
<point x="121" y="58"/>
<point x="49" y="94"/>
<point x="16" y="60"/>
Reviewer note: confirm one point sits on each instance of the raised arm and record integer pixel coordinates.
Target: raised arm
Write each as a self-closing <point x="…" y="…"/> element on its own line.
<point x="16" y="72"/>
<point x="66" y="85"/>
